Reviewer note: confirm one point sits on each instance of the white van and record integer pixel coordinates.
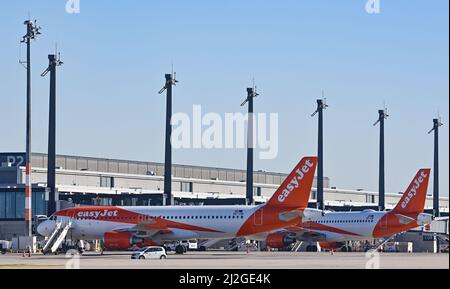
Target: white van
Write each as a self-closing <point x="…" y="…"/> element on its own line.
<point x="190" y="245"/>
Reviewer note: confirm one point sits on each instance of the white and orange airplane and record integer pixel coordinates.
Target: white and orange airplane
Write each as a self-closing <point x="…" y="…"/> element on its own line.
<point x="124" y="227"/>
<point x="339" y="227"/>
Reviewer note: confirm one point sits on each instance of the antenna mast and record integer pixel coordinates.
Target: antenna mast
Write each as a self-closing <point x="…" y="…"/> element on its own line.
<point x="383" y="115"/>
<point x="54" y="61"/>
<point x="170" y="82"/>
<point x="321" y="106"/>
<point x="251" y="95"/>
<point x="437" y="123"/>
<point x="33" y="30"/>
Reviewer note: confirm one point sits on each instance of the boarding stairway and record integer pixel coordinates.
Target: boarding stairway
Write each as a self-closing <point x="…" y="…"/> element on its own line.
<point x="206" y="244"/>
<point x="57" y="237"/>
<point x="236" y="244"/>
<point x="296" y="246"/>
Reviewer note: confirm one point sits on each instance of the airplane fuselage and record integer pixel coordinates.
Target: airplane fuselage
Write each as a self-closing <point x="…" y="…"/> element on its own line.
<point x="215" y="222"/>
<point x="367" y="225"/>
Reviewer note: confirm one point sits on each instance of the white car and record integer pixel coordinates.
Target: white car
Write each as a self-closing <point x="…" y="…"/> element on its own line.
<point x="150" y="253"/>
<point x="190" y="244"/>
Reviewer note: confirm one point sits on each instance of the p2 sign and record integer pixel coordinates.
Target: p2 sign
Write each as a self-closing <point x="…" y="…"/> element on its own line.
<point x="12" y="159"/>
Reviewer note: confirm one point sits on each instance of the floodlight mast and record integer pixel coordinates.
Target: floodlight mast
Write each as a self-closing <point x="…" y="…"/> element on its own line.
<point x="437" y="123"/>
<point x="170" y="82"/>
<point x="321" y="106"/>
<point x="382" y="116"/>
<point x="33" y="30"/>
<point x="251" y="95"/>
<point x="54" y="62"/>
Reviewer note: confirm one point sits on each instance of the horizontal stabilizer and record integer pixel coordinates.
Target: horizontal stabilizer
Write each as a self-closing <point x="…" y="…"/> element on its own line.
<point x="404" y="219"/>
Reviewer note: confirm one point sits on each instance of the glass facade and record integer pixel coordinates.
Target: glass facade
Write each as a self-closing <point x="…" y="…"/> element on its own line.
<point x="112" y="200"/>
<point x="187" y="187"/>
<point x="39" y="204"/>
<point x="12" y="204"/>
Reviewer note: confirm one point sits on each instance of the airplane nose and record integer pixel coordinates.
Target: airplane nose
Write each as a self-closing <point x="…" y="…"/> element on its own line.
<point x="42" y="229"/>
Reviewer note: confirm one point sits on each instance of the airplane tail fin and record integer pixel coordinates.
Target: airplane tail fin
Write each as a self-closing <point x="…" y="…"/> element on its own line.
<point x="296" y="189"/>
<point x="413" y="201"/>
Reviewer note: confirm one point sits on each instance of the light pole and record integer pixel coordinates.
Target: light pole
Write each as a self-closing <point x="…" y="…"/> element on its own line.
<point x="437" y="123"/>
<point x="51" y="166"/>
<point x="383" y="115"/>
<point x="321" y="106"/>
<point x="32" y="32"/>
<point x="170" y="82"/>
<point x="251" y="94"/>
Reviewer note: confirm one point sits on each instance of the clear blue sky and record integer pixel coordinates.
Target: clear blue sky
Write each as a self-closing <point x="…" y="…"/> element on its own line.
<point x="116" y="54"/>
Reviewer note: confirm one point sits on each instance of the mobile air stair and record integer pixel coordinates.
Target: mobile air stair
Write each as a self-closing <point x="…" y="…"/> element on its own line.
<point x="206" y="244"/>
<point x="296" y="246"/>
<point x="236" y="244"/>
<point x="57" y="237"/>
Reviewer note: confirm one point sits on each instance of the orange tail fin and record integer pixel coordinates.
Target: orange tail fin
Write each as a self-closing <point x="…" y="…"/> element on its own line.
<point x="296" y="189"/>
<point x="413" y="201"/>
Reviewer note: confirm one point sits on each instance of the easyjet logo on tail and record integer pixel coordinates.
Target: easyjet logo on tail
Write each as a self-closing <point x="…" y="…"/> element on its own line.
<point x="413" y="192"/>
<point x="295" y="181"/>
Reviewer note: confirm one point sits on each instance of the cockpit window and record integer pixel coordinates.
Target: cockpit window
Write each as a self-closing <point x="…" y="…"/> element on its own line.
<point x="53" y="218"/>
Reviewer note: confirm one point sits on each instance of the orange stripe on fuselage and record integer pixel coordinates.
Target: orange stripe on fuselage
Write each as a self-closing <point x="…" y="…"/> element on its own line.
<point x="119" y="215"/>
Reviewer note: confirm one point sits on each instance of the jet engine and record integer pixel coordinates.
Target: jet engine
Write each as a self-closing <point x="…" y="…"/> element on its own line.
<point x="117" y="241"/>
<point x="279" y="240"/>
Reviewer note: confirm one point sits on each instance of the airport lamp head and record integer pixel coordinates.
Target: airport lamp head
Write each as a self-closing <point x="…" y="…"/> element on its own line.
<point x="251" y="93"/>
<point x="170" y="80"/>
<point x="33" y="30"/>
<point x="321" y="105"/>
<point x="437" y="124"/>
<point x="383" y="115"/>
<point x="53" y="61"/>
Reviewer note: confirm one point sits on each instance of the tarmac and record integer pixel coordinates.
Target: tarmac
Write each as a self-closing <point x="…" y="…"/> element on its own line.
<point x="231" y="260"/>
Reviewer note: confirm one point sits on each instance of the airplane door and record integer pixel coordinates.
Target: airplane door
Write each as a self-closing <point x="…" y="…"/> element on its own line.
<point x="258" y="217"/>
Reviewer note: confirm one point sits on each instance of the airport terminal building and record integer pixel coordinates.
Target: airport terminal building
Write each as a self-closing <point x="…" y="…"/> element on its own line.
<point x="106" y="182"/>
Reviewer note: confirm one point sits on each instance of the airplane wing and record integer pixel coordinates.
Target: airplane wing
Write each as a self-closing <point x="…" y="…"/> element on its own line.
<point x="309" y="235"/>
<point x="302" y="234"/>
<point x="147" y="229"/>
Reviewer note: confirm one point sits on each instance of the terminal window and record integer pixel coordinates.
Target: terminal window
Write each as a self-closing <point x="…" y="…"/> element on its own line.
<point x="187" y="187"/>
<point x="257" y="191"/>
<point x="12" y="205"/>
<point x="107" y="182"/>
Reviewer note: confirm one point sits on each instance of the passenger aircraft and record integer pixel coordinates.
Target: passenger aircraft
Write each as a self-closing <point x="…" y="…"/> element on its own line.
<point x="338" y="227"/>
<point x="124" y="227"/>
